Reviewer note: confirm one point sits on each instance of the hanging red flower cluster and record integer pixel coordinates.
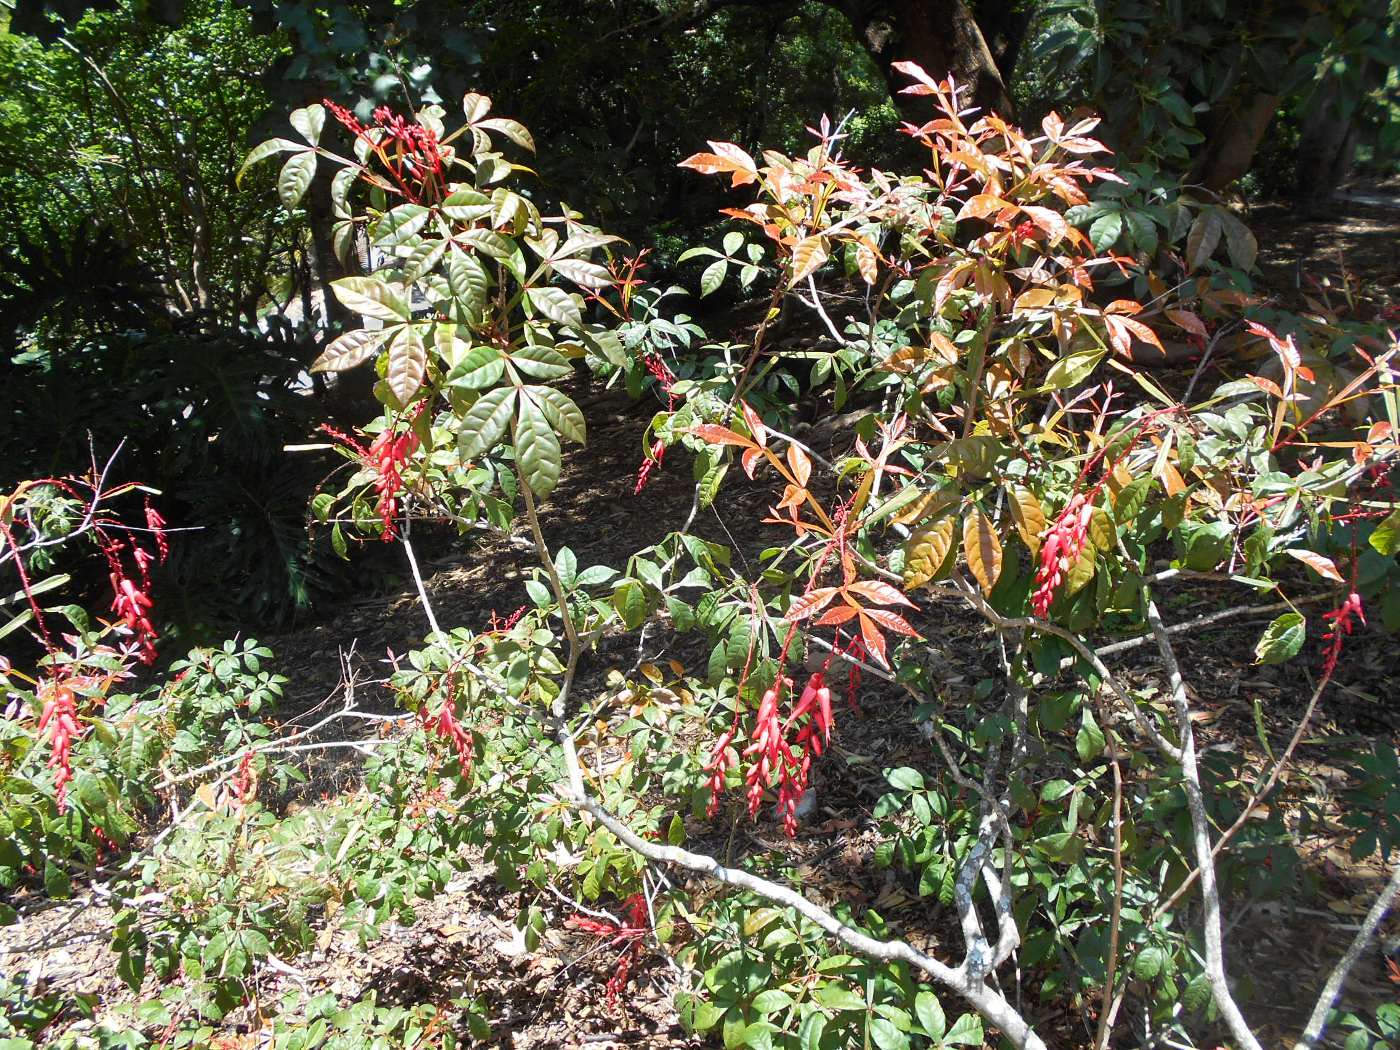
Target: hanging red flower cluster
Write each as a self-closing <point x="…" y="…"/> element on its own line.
<point x="1340" y="623"/>
<point x="629" y="936"/>
<point x="59" y="717"/>
<point x="1064" y="542"/>
<point x="132" y="601"/>
<point x="410" y="153"/>
<point x="386" y="457"/>
<point x="665" y="378"/>
<point x="446" y="727"/>
<point x="779" y="749"/>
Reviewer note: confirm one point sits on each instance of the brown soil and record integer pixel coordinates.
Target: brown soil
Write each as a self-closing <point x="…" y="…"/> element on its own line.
<point x="554" y="997"/>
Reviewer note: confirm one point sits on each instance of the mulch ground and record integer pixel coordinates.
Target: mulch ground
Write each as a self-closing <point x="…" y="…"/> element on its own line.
<point x="464" y="941"/>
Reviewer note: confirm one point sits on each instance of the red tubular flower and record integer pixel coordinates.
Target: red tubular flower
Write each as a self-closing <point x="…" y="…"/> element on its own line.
<point x="1339" y="625"/>
<point x="637" y="925"/>
<point x="59" y="717"/>
<point x="652" y="461"/>
<point x="1063" y="543"/>
<point x="130" y="602"/>
<point x="347" y="119"/>
<point x="446" y="726"/>
<point x="156" y="524"/>
<point x="767" y="747"/>
<point x="386" y="457"/>
<point x="665" y="378"/>
<point x="721" y="761"/>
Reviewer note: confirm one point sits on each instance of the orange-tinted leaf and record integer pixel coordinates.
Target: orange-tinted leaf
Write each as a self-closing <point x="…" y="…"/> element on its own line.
<point x="926" y="550"/>
<point x="981" y="205"/>
<point x="892" y="622"/>
<point x="1266" y="385"/>
<point x="1318" y="563"/>
<point x="750" y="460"/>
<point x="727" y="159"/>
<point x="808" y="255"/>
<point x="718" y="435"/>
<point x="800" y="463"/>
<point x="756" y="427"/>
<point x="866" y="264"/>
<point x="809" y="604"/>
<point x="793" y="496"/>
<point x="835" y="615"/>
<point x="881" y="592"/>
<point x="1188" y="321"/>
<point x="1029" y="516"/>
<point x="874" y="640"/>
<point x="982" y="549"/>
<point x="1052" y="222"/>
<point x="1203" y="238"/>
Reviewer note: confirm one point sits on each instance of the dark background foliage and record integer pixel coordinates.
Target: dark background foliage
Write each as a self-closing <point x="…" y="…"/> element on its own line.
<point x="148" y="298"/>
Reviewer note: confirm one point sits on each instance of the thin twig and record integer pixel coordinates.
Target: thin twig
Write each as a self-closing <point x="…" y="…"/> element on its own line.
<point x="1333" y="988"/>
<point x="1200" y="834"/>
<point x="1115" y="923"/>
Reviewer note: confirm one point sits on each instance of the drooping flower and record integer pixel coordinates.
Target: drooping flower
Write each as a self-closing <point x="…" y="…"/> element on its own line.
<point x="131" y="602"/>
<point x="653" y="460"/>
<point x="156" y="524"/>
<point x="1340" y="623"/>
<point x="1063" y="543"/>
<point x="59" y="718"/>
<point x="722" y="760"/>
<point x="387" y="457"/>
<point x="665" y="378"/>
<point x="630" y="934"/>
<point x="446" y="727"/>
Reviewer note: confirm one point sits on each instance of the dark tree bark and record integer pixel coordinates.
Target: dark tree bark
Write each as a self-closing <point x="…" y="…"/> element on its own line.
<point x="1328" y="139"/>
<point x="943" y="37"/>
<point x="1232" y="138"/>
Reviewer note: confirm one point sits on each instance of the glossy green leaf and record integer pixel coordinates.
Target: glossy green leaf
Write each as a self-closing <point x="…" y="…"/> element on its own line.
<point x="929" y="1011"/>
<point x="467" y="279"/>
<point x="486" y="422"/>
<point x="556" y="304"/>
<point x="371" y="297"/>
<point x="563" y="415"/>
<point x="541" y="362"/>
<point x="488" y="241"/>
<point x="466" y="205"/>
<point x="582" y="273"/>
<point x="629" y="599"/>
<point x="350" y="349"/>
<point x="309" y="122"/>
<point x="966" y="1029"/>
<point x="408" y="363"/>
<point x="1072" y="369"/>
<point x="423" y="259"/>
<point x="713" y="277"/>
<point x="295" y="177"/>
<point x="262" y="151"/>
<point x="481" y="368"/>
<point x="536" y="450"/>
<point x="1282" y="639"/>
<point x="511" y="129"/>
<point x="398" y="224"/>
<point x="1385" y="538"/>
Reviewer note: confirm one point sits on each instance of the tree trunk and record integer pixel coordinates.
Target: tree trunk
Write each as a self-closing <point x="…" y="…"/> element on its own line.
<point x="1232" y="138"/>
<point x="942" y="36"/>
<point x="1328" y="138"/>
